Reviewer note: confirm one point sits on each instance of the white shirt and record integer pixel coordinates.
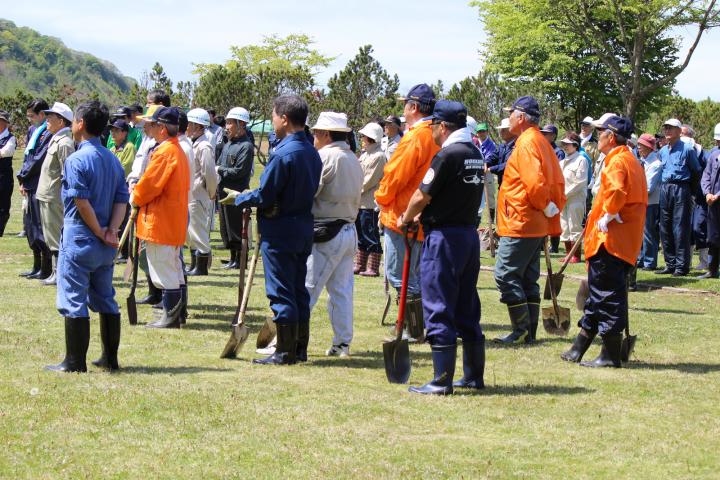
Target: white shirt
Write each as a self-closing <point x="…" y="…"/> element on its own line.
<point x="9" y="149"/>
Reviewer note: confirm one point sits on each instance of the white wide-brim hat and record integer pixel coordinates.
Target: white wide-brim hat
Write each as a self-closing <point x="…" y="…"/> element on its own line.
<point x="372" y="130"/>
<point x="332" y="121"/>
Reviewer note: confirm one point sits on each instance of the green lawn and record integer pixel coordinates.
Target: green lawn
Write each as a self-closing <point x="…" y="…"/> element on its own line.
<point x="178" y="411"/>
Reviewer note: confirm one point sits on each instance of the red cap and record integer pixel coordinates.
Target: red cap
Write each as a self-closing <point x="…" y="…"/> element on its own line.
<point x="647" y="140"/>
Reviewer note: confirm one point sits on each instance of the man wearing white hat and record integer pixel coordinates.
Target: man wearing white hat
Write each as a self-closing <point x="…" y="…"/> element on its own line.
<point x="335" y="208"/>
<point x="496" y="162"/>
<point x="59" y="119"/>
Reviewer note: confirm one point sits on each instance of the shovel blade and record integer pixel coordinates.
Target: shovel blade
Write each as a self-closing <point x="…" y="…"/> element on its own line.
<point x="266" y="334"/>
<point x="396" y="353"/>
<point x="235" y="343"/>
<point x="552" y="324"/>
<point x="582" y="295"/>
<point x="557" y="281"/>
<point x="628" y="346"/>
<point x="132" y="309"/>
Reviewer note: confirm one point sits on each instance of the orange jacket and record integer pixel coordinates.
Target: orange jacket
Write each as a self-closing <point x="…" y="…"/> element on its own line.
<point x="532" y="180"/>
<point x="162" y="195"/>
<point x="404" y="172"/>
<point x="623" y="190"/>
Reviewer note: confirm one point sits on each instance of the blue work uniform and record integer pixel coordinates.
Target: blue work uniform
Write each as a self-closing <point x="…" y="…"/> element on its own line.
<point x="498" y="159"/>
<point x="450" y="261"/>
<point x="85" y="263"/>
<point x="284" y="201"/>
<point x="710" y="184"/>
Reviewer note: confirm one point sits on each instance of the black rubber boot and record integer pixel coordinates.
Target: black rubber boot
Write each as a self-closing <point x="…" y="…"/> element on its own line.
<point x="609" y="354"/>
<point x="302" y="342"/>
<point x="580" y="345"/>
<point x="534" y="314"/>
<point x="52" y="279"/>
<point x="473" y="365"/>
<point x="184" y="300"/>
<point x="110" y="337"/>
<point x="77" y="339"/>
<point x="286" y="347"/>
<point x="233" y="263"/>
<point x="172" y="309"/>
<point x="193" y="262"/>
<point x="45" y="266"/>
<point x="492" y="214"/>
<point x="554" y="244"/>
<point x="443" y="357"/>
<point x="200" y="264"/>
<point x="4" y="217"/>
<point x="154" y="294"/>
<point x="36" y="264"/>
<point x="520" y="321"/>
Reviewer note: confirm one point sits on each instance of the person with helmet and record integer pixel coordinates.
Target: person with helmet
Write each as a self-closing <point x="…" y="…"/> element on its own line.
<point x="203" y="187"/>
<point x="234" y="170"/>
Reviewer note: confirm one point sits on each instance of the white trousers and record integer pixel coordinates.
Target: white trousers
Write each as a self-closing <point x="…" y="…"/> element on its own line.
<point x="201" y="214"/>
<point x="571" y="219"/>
<point x="164" y="265"/>
<point x="331" y="265"/>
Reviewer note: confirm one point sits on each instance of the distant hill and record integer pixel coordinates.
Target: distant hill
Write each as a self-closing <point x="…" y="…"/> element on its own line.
<point x="38" y="63"/>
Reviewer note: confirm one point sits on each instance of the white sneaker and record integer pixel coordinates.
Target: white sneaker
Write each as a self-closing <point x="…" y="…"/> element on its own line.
<point x="269" y="350"/>
<point x="342" y="350"/>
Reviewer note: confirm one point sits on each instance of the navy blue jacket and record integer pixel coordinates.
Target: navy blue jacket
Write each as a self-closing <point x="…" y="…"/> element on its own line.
<point x="498" y="159"/>
<point x="710" y="183"/>
<point x="29" y="173"/>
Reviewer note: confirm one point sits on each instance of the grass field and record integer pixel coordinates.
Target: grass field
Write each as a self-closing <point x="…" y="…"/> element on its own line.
<point x="176" y="410"/>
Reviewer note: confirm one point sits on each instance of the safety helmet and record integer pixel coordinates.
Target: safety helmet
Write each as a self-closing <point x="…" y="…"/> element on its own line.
<point x="716" y="134"/>
<point x="199" y="116"/>
<point x="238" y="113"/>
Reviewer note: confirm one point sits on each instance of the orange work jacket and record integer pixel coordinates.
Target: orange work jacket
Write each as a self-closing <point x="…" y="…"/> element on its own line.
<point x="162" y="195"/>
<point x="623" y="190"/>
<point x="404" y="172"/>
<point x="532" y="180"/>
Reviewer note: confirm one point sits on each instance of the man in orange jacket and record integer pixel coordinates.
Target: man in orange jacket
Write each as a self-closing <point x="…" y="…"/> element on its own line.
<point x="401" y="176"/>
<point x="162" y="195"/>
<point x="613" y="238"/>
<point x="530" y="200"/>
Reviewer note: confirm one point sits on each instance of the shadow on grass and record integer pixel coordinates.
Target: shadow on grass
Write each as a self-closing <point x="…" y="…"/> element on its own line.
<point x="170" y="370"/>
<point x="665" y="310"/>
<point x="366" y="359"/>
<point x="521" y="390"/>
<point x="692" y="367"/>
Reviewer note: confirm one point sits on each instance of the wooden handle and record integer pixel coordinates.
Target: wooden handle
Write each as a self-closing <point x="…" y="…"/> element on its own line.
<point x="125" y="233"/>
<point x="572" y="251"/>
<point x="550" y="284"/>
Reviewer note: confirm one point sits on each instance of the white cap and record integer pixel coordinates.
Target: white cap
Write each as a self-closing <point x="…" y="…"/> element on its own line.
<point x="601" y="121"/>
<point x="62" y="110"/>
<point x="471" y="124"/>
<point x="332" y="122"/>
<point x="716" y="135"/>
<point x="587" y="120"/>
<point x="238" y="113"/>
<point x="372" y="130"/>
<point x="402" y="119"/>
<point x="505" y="123"/>
<point x="199" y="116"/>
<point x="633" y="140"/>
<point x="673" y="122"/>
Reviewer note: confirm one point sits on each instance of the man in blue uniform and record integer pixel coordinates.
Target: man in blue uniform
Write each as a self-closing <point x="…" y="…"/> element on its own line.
<point x="446" y="203"/>
<point x="95" y="197"/>
<point x="284" y="201"/>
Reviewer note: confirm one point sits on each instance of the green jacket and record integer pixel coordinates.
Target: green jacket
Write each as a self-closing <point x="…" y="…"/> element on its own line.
<point x="134" y="137"/>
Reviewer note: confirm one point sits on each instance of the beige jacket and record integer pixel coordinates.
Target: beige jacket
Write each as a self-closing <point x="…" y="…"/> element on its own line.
<point x="49" y="185"/>
<point x="341" y="180"/>
<point x="372" y="162"/>
<point x="205" y="180"/>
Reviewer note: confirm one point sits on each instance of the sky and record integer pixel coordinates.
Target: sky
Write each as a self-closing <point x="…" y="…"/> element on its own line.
<point x="420" y="40"/>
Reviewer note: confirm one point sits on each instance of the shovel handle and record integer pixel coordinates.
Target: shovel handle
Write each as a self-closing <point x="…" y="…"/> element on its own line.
<point x="548" y="263"/>
<point x="128" y="227"/>
<point x="404" y="286"/>
<point x="249" y="279"/>
<point x="490" y="219"/>
<point x="572" y="251"/>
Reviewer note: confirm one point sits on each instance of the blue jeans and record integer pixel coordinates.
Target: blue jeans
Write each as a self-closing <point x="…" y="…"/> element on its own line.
<point x="517" y="269"/>
<point x="394" y="257"/>
<point x="367" y="230"/>
<point x="675" y="227"/>
<point x="651" y="238"/>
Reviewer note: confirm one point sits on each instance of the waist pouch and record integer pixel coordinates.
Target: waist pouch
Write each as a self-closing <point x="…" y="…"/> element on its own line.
<point x="326" y="231"/>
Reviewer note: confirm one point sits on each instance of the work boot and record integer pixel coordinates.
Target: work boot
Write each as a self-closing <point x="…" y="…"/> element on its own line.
<point x="184" y="300"/>
<point x="110" y="337"/>
<point x="36" y="264"/>
<point x="52" y="279"/>
<point x="534" y="316"/>
<point x="302" y="341"/>
<point x="172" y="309"/>
<point x="473" y="365"/>
<point x="554" y="244"/>
<point x="45" y="266"/>
<point x="631" y="279"/>
<point x="286" y="347"/>
<point x="580" y="345"/>
<point x="361" y="259"/>
<point x="414" y="320"/>
<point x="610" y="354"/>
<point x="193" y="261"/>
<point x="199" y="265"/>
<point x="234" y="261"/>
<point x="492" y="214"/>
<point x="520" y="321"/>
<point x="154" y="294"/>
<point x="373" y="266"/>
<point x="77" y="339"/>
<point x="443" y="357"/>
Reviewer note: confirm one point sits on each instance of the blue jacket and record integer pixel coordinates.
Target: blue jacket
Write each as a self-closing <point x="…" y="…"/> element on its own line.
<point x="285" y="196"/>
<point x="558" y="151"/>
<point x="498" y="159"/>
<point x="679" y="162"/>
<point x="710" y="183"/>
<point x="29" y="173"/>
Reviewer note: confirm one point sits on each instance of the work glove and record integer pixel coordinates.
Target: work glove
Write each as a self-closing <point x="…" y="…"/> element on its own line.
<point x="551" y="210"/>
<point x="230" y="198"/>
<point x="606" y="219"/>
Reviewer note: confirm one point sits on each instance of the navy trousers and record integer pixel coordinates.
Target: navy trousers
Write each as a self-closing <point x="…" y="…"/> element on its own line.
<point x="449" y="269"/>
<point x="366" y="225"/>
<point x="7" y="181"/>
<point x="285" y="272"/>
<point x="675" y="229"/>
<point x="33" y="225"/>
<point x="699" y="225"/>
<point x="606" y="307"/>
<point x="651" y="238"/>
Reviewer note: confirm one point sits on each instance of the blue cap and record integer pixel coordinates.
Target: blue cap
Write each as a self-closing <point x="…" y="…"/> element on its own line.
<point x="420" y="93"/>
<point x="121" y="124"/>
<point x="450" y="111"/>
<point x="526" y="104"/>
<point x="550" y="128"/>
<point x="623" y="126"/>
<point x="167" y="115"/>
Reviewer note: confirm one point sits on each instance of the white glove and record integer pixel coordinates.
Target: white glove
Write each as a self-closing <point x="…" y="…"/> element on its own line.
<point x="606" y="219"/>
<point x="551" y="210"/>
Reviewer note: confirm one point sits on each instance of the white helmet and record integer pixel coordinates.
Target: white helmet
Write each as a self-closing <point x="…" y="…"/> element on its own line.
<point x="238" y="113"/>
<point x="199" y="116"/>
<point x="716" y="133"/>
<point x="471" y="124"/>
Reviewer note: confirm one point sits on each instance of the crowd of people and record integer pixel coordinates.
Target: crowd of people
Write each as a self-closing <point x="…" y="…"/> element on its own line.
<point x="328" y="209"/>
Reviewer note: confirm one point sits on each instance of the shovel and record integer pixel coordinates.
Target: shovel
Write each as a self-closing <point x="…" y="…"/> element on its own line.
<point x="126" y="232"/>
<point x="556" y="319"/>
<point x="387" y="300"/>
<point x="557" y="278"/>
<point x="396" y="352"/>
<point x="628" y="343"/>
<point x="239" y="333"/>
<point x="131" y="305"/>
<point x="266" y="334"/>
<point x="491" y="227"/>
